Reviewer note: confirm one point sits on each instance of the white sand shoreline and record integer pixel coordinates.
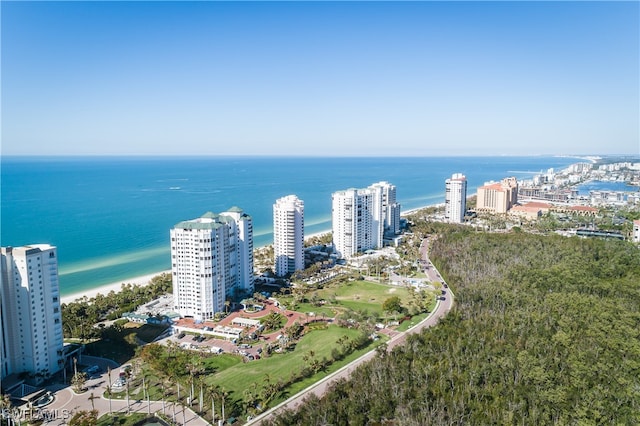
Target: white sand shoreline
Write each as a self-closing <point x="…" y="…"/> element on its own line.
<point x="144" y="279"/>
<point x="105" y="289"/>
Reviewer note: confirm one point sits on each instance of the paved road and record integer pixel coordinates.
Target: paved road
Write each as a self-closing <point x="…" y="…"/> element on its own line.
<point x="441" y="309"/>
<point x="67" y="402"/>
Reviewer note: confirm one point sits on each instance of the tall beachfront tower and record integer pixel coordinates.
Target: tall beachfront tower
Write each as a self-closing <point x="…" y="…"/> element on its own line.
<point x="390" y="209"/>
<point x="359" y="218"/>
<point x="31" y="330"/>
<point x="455" y="204"/>
<point x="211" y="261"/>
<point x="288" y="235"/>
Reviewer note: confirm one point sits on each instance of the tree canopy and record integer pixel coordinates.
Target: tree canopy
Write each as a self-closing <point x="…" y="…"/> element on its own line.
<point x="546" y="330"/>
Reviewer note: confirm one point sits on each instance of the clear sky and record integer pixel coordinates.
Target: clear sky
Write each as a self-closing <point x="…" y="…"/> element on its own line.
<point x="326" y="78"/>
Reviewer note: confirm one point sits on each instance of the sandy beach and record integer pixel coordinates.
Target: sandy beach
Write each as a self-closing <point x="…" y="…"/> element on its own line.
<point x="105" y="289"/>
<point x="144" y="279"/>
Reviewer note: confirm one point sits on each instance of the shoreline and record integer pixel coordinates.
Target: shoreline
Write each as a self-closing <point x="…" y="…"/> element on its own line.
<point x="143" y="280"/>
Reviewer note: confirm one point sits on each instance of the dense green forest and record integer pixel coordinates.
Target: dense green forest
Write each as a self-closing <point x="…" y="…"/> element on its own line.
<point x="546" y="330"/>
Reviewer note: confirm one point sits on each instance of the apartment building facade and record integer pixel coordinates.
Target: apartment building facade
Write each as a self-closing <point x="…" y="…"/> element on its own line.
<point x="360" y="217"/>
<point x="455" y="204"/>
<point x="288" y="235"/>
<point x="31" y="337"/>
<point x="211" y="262"/>
<point x="498" y="197"/>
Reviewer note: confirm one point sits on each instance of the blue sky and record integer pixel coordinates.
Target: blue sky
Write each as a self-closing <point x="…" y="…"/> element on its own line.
<point x="325" y="78"/>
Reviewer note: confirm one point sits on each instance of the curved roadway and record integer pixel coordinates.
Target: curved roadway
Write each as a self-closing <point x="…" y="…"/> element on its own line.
<point x="319" y="388"/>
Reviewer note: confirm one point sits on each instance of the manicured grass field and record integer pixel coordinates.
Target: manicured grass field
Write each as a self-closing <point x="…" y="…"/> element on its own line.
<point x="221" y="362"/>
<point x="364" y="295"/>
<point x="145" y="332"/>
<point x="354" y="295"/>
<point x="242" y="376"/>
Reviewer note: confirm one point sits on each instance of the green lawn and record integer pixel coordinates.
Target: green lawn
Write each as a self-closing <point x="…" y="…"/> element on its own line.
<point x="236" y="376"/>
<point x="242" y="376"/>
<point x="121" y="419"/>
<point x="354" y="295"/>
<point x="364" y="295"/>
<point x="144" y="332"/>
<point x="405" y="325"/>
<point x="303" y="384"/>
<point x="221" y="362"/>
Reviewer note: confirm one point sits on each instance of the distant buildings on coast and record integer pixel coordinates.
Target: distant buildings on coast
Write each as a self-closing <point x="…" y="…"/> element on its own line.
<point x="212" y="256"/>
<point x="31" y="323"/>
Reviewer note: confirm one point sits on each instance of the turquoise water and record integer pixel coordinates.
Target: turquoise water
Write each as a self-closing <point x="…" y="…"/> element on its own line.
<point x="598" y="185"/>
<point x="110" y="216"/>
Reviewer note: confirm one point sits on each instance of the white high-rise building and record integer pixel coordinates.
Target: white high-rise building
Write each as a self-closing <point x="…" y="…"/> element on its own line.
<point x="361" y="216"/>
<point x="31" y="326"/>
<point x="211" y="261"/>
<point x="455" y="204"/>
<point x="288" y="235"/>
<point x="390" y="209"/>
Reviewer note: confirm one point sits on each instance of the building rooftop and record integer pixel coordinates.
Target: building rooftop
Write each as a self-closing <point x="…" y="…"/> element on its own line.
<point x="583" y="209"/>
<point x="197" y="224"/>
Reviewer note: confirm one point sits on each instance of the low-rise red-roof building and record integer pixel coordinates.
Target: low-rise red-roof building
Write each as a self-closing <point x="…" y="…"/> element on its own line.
<point x="532" y="210"/>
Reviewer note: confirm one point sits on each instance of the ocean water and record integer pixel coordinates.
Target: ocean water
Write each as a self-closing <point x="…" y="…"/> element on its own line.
<point x="598" y="185"/>
<point x="110" y="216"/>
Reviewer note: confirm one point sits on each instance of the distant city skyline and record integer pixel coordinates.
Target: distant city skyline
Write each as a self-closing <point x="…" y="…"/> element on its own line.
<point x="320" y="78"/>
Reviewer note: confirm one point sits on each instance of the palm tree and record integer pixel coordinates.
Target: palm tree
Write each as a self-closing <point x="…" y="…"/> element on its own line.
<point x="109" y="386"/>
<point x="91" y="398"/>
<point x="78" y="380"/>
<point x="200" y="405"/>
<point x="162" y="383"/>
<point x="195" y="368"/>
<point x="128" y="405"/>
<point x="223" y="397"/>
<point x="108" y="389"/>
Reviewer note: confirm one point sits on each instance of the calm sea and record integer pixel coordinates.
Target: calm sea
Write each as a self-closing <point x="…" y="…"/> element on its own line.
<point x="110" y="216"/>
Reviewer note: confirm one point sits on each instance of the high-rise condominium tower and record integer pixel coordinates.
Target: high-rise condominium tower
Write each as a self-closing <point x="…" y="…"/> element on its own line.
<point x="389" y="207"/>
<point x="455" y="204"/>
<point x="361" y="216"/>
<point x="31" y="330"/>
<point x="288" y="235"/>
<point x="211" y="261"/>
